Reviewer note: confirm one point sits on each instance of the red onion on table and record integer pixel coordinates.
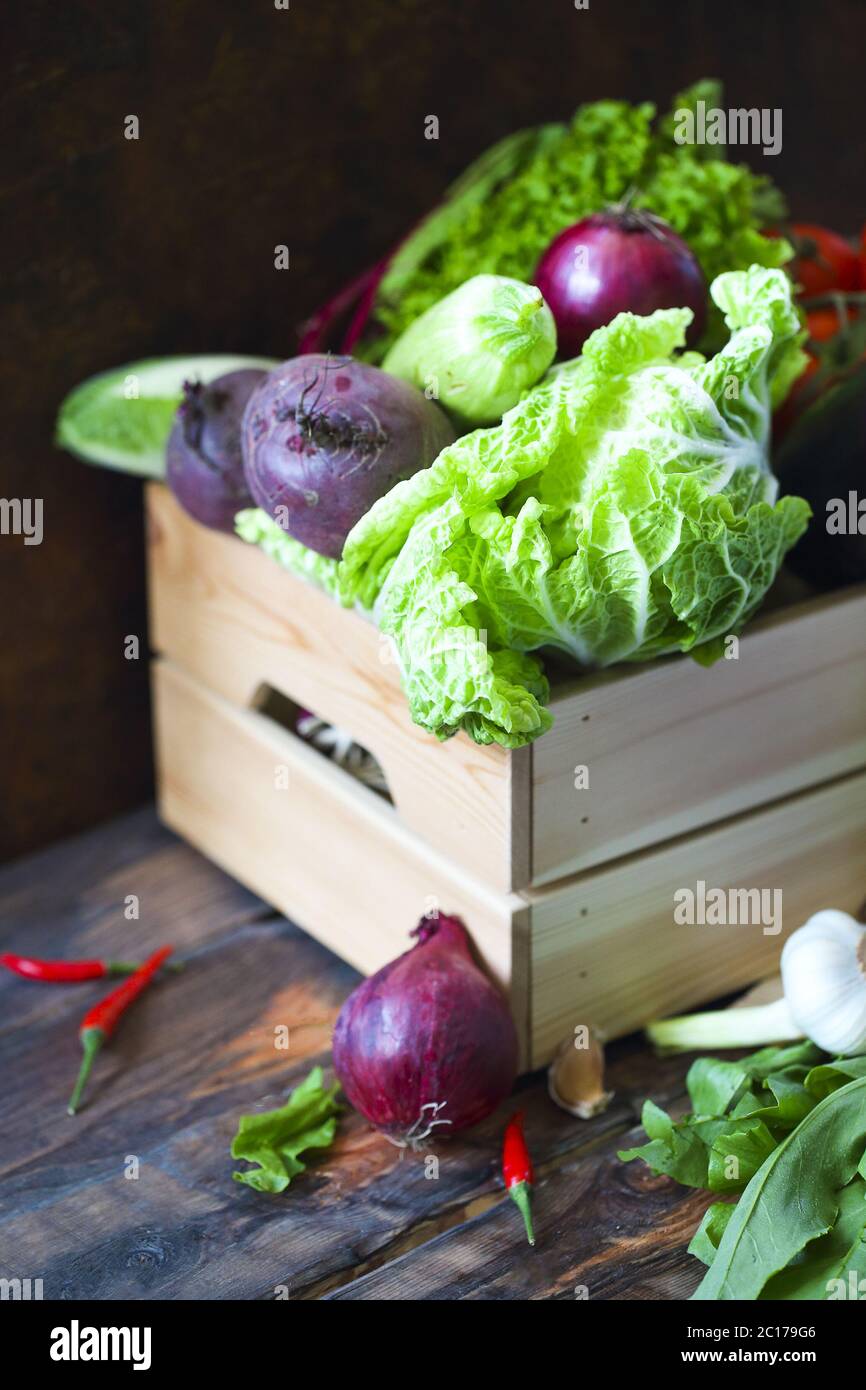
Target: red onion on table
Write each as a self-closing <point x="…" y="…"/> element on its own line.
<point x="427" y="1045"/>
<point x="614" y="261"/>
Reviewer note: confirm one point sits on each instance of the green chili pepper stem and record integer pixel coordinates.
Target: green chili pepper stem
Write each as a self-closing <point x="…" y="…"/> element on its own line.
<point x="519" y="1193"/>
<point x="128" y="967"/>
<point x="91" y="1040"/>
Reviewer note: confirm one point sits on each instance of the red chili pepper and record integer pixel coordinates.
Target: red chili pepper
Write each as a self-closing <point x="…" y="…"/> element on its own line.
<point x="517" y="1171"/>
<point x="99" y="1024"/>
<point x="65" y="971"/>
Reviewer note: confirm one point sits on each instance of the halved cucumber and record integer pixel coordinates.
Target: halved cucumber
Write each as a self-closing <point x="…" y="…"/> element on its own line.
<point x="122" y="418"/>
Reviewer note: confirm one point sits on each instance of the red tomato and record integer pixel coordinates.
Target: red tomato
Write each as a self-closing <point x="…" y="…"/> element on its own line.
<point x="863" y="257"/>
<point x="824" y="324"/>
<point x="834" y="347"/>
<point x="823" y="261"/>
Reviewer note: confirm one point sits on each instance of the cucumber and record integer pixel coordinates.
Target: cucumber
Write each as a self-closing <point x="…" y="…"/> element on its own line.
<point x="122" y="418"/>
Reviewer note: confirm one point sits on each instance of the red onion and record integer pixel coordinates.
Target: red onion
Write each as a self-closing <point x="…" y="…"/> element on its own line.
<point x="427" y="1044"/>
<point x="614" y="261"/>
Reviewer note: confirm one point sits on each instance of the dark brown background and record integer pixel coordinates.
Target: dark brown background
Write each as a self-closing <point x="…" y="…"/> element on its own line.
<point x="258" y="127"/>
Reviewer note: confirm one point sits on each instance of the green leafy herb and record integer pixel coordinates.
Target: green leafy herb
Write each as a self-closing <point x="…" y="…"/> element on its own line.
<point x="275" y="1138"/>
<point x="787" y="1130"/>
<point x="741" y="1111"/>
<point x="705" y="1241"/>
<point x="793" y="1199"/>
<point x="508" y="207"/>
<point x="833" y="1257"/>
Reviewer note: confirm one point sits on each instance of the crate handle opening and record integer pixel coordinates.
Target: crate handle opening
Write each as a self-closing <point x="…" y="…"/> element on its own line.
<point x="335" y="744"/>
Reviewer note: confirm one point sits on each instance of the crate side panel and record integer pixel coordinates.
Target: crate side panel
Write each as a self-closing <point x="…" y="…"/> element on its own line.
<point x="674" y="746"/>
<point x="606" y="948"/>
<point x="232" y="617"/>
<point x="304" y="835"/>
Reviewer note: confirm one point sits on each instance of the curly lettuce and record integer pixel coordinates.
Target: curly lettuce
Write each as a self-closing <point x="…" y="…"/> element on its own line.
<point x="510" y="204"/>
<point x="623" y="510"/>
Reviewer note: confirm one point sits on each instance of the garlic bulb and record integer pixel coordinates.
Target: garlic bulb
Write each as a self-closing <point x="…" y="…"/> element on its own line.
<point x="824" y="974"/>
<point x="575" y="1080"/>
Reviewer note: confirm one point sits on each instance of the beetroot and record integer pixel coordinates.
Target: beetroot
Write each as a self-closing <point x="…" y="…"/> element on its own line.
<point x="204" y="461"/>
<point x="427" y="1045"/>
<point x="615" y="261"/>
<point x="325" y="437"/>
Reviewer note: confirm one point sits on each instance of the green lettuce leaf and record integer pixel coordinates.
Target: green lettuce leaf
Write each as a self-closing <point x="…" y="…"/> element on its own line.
<point x="623" y="510"/>
<point x="509" y="205"/>
<point x="275" y="1138"/>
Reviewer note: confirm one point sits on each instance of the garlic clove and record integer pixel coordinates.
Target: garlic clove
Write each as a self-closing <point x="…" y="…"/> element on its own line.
<point x="575" y="1079"/>
<point x="824" y="973"/>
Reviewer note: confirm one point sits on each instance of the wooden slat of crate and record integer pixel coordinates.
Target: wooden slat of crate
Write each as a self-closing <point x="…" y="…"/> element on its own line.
<point x="675" y="746"/>
<point x="605" y="947"/>
<point x="322" y="848"/>
<point x="233" y="618"/>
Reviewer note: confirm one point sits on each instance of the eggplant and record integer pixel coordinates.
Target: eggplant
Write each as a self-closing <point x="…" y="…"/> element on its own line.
<point x="823" y="459"/>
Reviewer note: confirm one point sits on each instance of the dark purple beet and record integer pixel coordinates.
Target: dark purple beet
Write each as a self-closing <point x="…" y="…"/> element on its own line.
<point x="325" y="437"/>
<point x="204" y="459"/>
<point x="615" y="261"/>
<point x="427" y="1044"/>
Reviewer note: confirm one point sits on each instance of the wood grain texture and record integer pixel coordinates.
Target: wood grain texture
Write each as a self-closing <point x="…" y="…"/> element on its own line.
<point x="212" y="594"/>
<point x="604" y="1230"/>
<point x="670" y="755"/>
<point x="673" y="746"/>
<point x="198" y="1051"/>
<point x="668" y="747"/>
<point x="308" y="836"/>
<point x="120" y="249"/>
<point x="605" y="946"/>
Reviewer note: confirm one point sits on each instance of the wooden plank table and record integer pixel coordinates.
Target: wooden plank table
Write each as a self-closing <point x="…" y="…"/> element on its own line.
<point x="199" y="1050"/>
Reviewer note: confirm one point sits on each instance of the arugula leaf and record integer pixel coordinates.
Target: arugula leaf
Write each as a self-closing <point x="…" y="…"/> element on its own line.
<point x="792" y="1199"/>
<point x="741" y="1110"/>
<point x="678" y="1150"/>
<point x="838" y="1254"/>
<point x="705" y="1241"/>
<point x="779" y="1057"/>
<point x="823" y="1080"/>
<point x="275" y="1138"/>
<point x="713" y="1082"/>
<point x="791" y="1100"/>
<point x="737" y="1154"/>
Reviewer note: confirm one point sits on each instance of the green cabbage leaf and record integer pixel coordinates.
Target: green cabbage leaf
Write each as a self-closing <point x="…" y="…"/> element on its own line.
<point x="624" y="509"/>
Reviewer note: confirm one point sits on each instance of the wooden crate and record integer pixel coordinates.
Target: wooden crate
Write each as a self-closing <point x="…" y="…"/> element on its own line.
<point x="749" y="775"/>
